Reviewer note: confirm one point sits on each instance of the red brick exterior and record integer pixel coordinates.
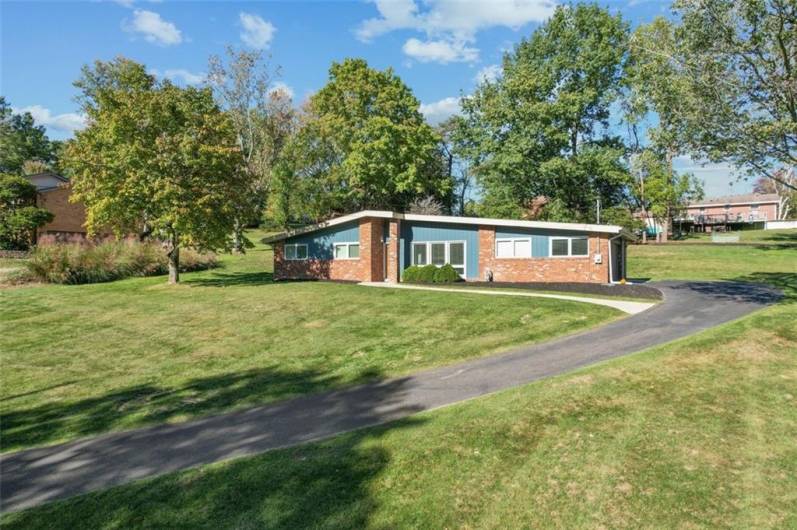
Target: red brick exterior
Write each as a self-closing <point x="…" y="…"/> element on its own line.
<point x="368" y="267"/>
<point x="547" y="269"/>
<point x="393" y="249"/>
<point x="69" y="218"/>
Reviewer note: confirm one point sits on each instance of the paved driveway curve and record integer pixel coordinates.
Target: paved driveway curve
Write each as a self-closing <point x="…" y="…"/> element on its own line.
<point x="40" y="475"/>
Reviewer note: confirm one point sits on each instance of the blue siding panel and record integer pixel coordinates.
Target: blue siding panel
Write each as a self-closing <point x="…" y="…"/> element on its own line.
<point x="320" y="244"/>
<point x="539" y="237"/>
<point x="414" y="232"/>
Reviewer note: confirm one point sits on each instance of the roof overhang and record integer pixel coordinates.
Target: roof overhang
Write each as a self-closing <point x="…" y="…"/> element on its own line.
<point x="449" y="219"/>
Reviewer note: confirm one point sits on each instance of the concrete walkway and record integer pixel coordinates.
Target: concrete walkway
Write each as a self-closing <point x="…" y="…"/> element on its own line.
<point x="626" y="306"/>
<point x="44" y="474"/>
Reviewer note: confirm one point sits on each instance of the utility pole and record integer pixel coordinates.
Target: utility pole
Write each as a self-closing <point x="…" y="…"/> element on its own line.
<point x="598" y="211"/>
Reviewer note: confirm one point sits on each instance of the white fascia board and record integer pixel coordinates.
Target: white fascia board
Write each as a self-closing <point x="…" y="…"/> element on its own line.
<point x="722" y="204"/>
<point x="326" y="224"/>
<point x="575" y="227"/>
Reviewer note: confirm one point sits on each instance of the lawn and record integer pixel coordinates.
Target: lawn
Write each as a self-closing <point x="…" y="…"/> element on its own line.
<point x="762" y="237"/>
<point x="83" y="360"/>
<point x="698" y="433"/>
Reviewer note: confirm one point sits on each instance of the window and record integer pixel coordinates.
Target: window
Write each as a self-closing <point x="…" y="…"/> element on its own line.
<point x="513" y="248"/>
<point x="439" y="253"/>
<point x="296" y="251"/>
<point x="347" y="250"/>
<point x="419" y="253"/>
<point x="569" y="246"/>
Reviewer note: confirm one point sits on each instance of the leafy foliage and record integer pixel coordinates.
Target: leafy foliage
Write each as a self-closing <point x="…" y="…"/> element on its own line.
<point x="155" y="157"/>
<point x="541" y="129"/>
<point x="365" y="144"/>
<point x="21" y="141"/>
<point x="19" y="217"/>
<point x="446" y="274"/>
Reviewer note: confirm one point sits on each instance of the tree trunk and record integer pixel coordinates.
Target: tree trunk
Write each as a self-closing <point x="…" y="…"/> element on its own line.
<point x="174" y="261"/>
<point x="238" y="238"/>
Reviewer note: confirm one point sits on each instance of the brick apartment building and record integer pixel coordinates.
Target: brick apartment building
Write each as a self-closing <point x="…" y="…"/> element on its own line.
<point x="53" y="192"/>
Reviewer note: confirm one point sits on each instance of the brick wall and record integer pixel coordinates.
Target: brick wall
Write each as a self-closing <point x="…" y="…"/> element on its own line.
<point x="583" y="270"/>
<point x="367" y="268"/>
<point x="393" y="250"/>
<point x="767" y="211"/>
<point x="69" y="217"/>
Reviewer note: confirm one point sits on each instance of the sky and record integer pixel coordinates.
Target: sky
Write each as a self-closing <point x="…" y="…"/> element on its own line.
<point x="440" y="48"/>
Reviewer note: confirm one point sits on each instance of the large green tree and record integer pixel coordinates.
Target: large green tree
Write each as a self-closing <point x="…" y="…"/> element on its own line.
<point x="19" y="216"/>
<point x="21" y="141"/>
<point x="542" y="128"/>
<point x="737" y="64"/>
<point x="364" y="144"/>
<point x="263" y="119"/>
<point x="157" y="155"/>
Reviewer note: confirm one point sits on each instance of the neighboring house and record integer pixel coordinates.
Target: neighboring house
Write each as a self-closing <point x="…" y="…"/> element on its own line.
<point x="750" y="207"/>
<point x="378" y="245"/>
<point x="53" y="192"/>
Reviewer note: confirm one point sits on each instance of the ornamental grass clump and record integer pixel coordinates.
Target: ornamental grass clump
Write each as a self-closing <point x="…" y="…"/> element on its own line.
<point x="78" y="263"/>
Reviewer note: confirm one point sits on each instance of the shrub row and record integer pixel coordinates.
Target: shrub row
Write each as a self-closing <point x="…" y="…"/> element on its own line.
<point x="430" y="274"/>
<point x="104" y="262"/>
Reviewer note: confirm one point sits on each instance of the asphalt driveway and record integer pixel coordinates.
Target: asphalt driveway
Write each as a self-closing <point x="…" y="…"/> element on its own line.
<point x="40" y="475"/>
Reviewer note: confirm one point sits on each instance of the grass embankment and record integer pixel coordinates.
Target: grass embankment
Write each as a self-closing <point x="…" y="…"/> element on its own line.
<point x="82" y="360"/>
<point x="699" y="433"/>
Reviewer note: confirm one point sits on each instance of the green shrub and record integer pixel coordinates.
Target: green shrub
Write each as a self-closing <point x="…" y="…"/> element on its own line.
<point x="446" y="274"/>
<point x="104" y="262"/>
<point x="411" y="274"/>
<point x="426" y="274"/>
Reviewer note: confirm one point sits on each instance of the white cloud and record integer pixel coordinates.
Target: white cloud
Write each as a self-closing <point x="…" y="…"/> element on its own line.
<point x="257" y="32"/>
<point x="440" y="51"/>
<point x="488" y="73"/>
<point x="154" y="28"/>
<point x="68" y="122"/>
<point x="187" y="77"/>
<point x="451" y="21"/>
<point x="440" y="110"/>
<point x="279" y="86"/>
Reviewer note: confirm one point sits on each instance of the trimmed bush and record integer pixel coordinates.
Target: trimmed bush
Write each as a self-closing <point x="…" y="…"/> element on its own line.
<point x="104" y="262"/>
<point x="426" y="274"/>
<point x="446" y="274"/>
<point x="411" y="274"/>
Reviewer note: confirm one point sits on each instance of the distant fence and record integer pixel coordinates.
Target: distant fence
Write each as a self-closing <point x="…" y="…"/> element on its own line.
<point x="777" y="225"/>
<point x="718" y="237"/>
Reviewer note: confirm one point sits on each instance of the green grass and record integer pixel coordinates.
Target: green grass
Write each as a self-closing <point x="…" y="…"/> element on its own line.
<point x="83" y="360"/>
<point x="762" y="237"/>
<point x="699" y="433"/>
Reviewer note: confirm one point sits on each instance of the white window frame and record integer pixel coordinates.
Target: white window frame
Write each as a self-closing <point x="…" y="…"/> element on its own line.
<point x="296" y="251"/>
<point x="347" y="244"/>
<point x="447" y="244"/>
<point x="569" y="247"/>
<point x="513" y="240"/>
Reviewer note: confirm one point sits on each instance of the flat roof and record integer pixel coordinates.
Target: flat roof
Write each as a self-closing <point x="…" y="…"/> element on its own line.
<point x="450" y="219"/>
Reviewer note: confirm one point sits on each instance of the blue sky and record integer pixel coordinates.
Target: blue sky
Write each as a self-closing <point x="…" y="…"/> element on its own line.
<point x="440" y="48"/>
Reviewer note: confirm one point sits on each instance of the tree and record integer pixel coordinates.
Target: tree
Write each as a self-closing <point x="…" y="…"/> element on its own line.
<point x="542" y="128"/>
<point x="453" y="148"/>
<point x="155" y="154"/>
<point x="21" y="140"/>
<point x="19" y="216"/>
<point x="784" y="186"/>
<point x="365" y="144"/>
<point x="658" y="190"/>
<point x="263" y="120"/>
<point x="738" y="62"/>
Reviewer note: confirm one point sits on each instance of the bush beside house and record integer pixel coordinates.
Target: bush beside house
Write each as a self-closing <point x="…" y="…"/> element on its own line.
<point x="430" y="274"/>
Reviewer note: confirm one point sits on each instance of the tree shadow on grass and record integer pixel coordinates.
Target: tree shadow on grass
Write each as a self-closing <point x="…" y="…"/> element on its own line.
<point x="324" y="484"/>
<point x="231" y="279"/>
<point x="783" y="281"/>
<point x="153" y="404"/>
<point x="327" y="484"/>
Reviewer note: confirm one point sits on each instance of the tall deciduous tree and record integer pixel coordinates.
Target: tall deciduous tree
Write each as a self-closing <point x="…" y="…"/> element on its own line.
<point x="784" y="186"/>
<point x="19" y="216"/>
<point x="21" y="141"/>
<point x="738" y="60"/>
<point x="263" y="119"/>
<point x="542" y="128"/>
<point x="365" y="144"/>
<point x="157" y="154"/>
